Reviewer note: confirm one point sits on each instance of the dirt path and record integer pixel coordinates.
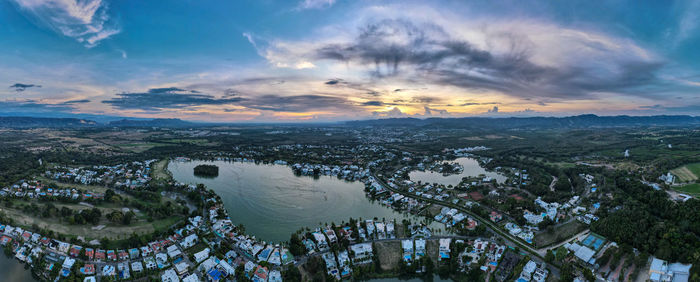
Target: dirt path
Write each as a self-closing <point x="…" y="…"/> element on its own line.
<point x="554" y="181"/>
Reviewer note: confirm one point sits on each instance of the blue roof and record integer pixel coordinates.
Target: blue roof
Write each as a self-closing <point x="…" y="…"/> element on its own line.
<point x="215" y="274"/>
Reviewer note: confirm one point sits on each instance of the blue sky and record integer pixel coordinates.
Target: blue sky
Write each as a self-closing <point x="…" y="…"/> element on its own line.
<point x="325" y="60"/>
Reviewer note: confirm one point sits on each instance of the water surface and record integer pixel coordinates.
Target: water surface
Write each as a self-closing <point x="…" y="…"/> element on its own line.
<point x="13" y="270"/>
<point x="271" y="202"/>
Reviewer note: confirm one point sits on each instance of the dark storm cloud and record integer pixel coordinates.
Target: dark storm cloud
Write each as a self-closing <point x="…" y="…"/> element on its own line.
<point x="166" y="98"/>
<point x="19" y="87"/>
<point x="389" y="45"/>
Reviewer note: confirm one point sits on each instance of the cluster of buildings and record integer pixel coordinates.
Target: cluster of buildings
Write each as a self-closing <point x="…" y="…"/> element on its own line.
<point x="130" y="175"/>
<point x="36" y="190"/>
<point x="347" y="172"/>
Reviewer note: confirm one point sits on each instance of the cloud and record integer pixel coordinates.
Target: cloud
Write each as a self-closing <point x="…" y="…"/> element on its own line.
<point x="529" y="60"/>
<point x="315" y="4"/>
<point x="296" y="103"/>
<point x="35" y="106"/>
<point x="157" y="99"/>
<point x="435" y="112"/>
<point x="373" y="103"/>
<point x="688" y="23"/>
<point x="86" y="21"/>
<point x="72" y="102"/>
<point x="19" y="87"/>
<point x="494" y="110"/>
<point x="466" y="104"/>
<point x="425" y="99"/>
<point x="395" y="112"/>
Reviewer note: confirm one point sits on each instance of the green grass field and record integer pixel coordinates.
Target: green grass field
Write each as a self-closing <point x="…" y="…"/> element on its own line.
<point x="687" y="173"/>
<point x="693" y="189"/>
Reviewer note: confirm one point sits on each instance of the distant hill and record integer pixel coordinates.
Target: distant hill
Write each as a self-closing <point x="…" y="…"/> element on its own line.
<point x="158" y="122"/>
<point x="581" y="121"/>
<point x="27" y="122"/>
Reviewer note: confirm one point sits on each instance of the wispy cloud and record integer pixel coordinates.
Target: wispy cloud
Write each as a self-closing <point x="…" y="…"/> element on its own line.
<point x="86" y="21"/>
<point x="315" y="4"/>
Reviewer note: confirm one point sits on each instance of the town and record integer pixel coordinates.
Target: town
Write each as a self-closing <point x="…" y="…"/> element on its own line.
<point x="517" y="219"/>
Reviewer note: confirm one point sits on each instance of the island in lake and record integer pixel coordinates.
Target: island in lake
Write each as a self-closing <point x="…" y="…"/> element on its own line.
<point x="206" y="170"/>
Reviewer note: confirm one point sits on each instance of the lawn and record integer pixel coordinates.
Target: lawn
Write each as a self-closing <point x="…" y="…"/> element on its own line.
<point x="160" y="170"/>
<point x="693" y="189"/>
<point x="561" y="232"/>
<point x="687" y="173"/>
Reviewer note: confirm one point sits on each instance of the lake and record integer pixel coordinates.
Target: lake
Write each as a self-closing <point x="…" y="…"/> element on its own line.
<point x="471" y="168"/>
<point x="13" y="270"/>
<point x="272" y="202"/>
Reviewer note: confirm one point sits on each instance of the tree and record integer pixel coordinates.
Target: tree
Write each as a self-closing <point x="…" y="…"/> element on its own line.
<point x="561" y="253"/>
<point x="549" y="257"/>
<point x="292" y="273"/>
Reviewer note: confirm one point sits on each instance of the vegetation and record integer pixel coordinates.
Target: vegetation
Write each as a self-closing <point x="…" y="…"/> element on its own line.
<point x="206" y="170"/>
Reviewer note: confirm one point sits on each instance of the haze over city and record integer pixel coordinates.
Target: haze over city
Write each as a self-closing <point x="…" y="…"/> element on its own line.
<point x="331" y="60"/>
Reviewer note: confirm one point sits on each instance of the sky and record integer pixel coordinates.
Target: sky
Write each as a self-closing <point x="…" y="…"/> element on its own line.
<point x="331" y="60"/>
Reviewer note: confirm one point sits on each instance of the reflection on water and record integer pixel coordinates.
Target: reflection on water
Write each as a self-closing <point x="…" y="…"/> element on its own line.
<point x="13" y="270"/>
<point x="471" y="168"/>
<point x="272" y="202"/>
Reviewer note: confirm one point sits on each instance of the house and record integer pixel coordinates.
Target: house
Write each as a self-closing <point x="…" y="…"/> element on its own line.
<point x="420" y="248"/>
<point x="173" y="251"/>
<point x="275" y="276"/>
<point x="108" y="270"/>
<point x="444" y="248"/>
<point x="226" y="268"/>
<point x="495" y="216"/>
<point x="407" y="246"/>
<point x="189" y="241"/>
<point x="123" y="271"/>
<point x="87" y="269"/>
<point x="149" y="262"/>
<point x="75" y="251"/>
<point x="4" y="240"/>
<point x="191" y="278"/>
<point x="320" y="241"/>
<point x="111" y="255"/>
<point x="201" y="255"/>
<point x="122" y="255"/>
<point x="344" y="264"/>
<point x="208" y="264"/>
<point x="362" y="253"/>
<point x="181" y="268"/>
<point x="260" y="274"/>
<point x="134" y="253"/>
<point x="660" y="270"/>
<point x="161" y="260"/>
<point x="100" y="255"/>
<point x="136" y="266"/>
<point x="331" y="266"/>
<point x="169" y="276"/>
<point x="68" y="263"/>
<point x="89" y="253"/>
